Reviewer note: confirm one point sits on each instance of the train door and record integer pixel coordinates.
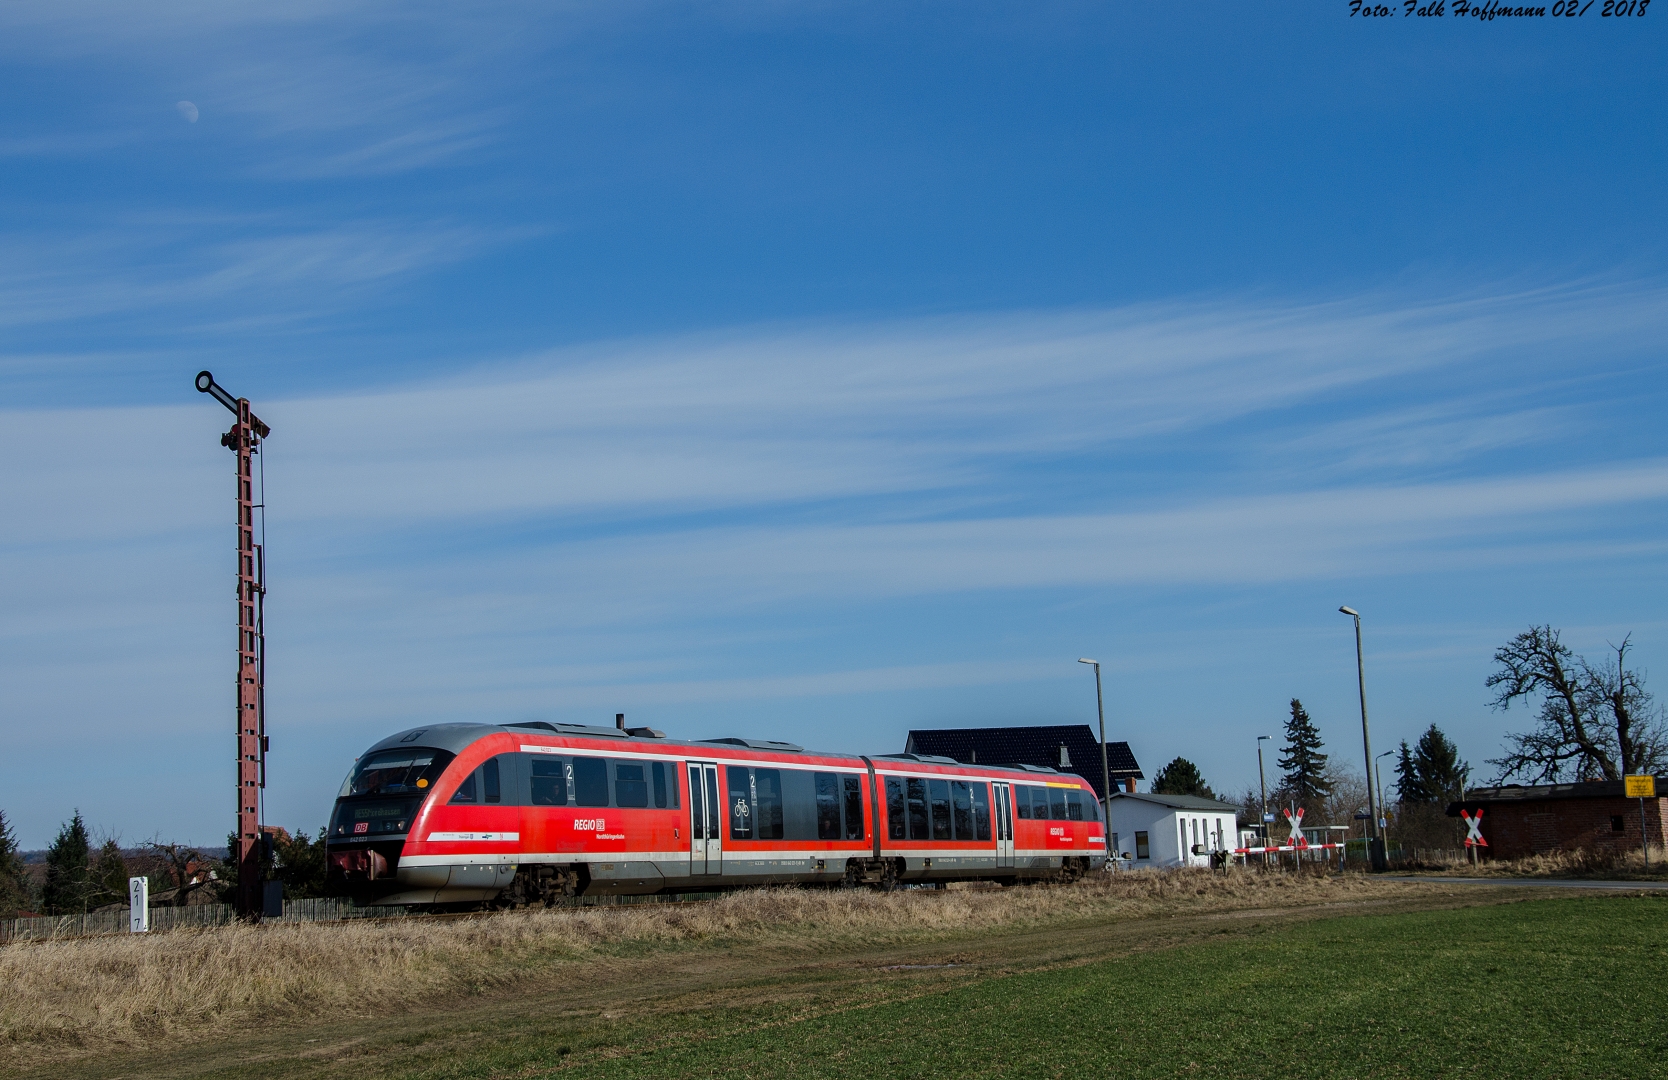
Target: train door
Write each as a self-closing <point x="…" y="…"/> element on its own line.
<point x="706" y="851"/>
<point x="1004" y="826"/>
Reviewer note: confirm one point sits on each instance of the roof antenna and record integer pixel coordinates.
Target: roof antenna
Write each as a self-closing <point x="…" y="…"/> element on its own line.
<point x="619" y="720"/>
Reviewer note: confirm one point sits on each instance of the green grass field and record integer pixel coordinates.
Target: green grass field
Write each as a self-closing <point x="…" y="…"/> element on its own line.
<point x="1545" y="988"/>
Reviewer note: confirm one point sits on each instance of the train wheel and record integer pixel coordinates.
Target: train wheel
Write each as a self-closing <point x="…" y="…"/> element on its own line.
<point x="891" y="875"/>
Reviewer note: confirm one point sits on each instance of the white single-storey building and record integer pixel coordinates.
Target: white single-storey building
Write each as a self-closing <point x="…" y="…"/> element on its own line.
<point x="1170" y="830"/>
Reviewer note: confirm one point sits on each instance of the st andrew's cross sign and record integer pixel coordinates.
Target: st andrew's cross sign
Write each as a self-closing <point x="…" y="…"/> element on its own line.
<point x="1298" y="841"/>
<point x="1474" y="829"/>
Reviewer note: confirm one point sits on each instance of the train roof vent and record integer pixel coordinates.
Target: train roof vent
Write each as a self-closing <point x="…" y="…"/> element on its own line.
<point x="1034" y="768"/>
<point x="933" y="759"/>
<point x="759" y="744"/>
<point x="645" y="733"/>
<point x="587" y="730"/>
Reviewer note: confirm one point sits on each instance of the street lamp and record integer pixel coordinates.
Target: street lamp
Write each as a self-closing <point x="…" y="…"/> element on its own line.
<point x="1366" y="739"/>
<point x="1262" y="786"/>
<point x="1378" y="770"/>
<point x="1105" y="763"/>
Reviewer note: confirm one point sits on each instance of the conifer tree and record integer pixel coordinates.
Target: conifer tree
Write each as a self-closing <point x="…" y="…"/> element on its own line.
<point x="1431" y="771"/>
<point x="109" y="880"/>
<point x="14" y="882"/>
<point x="1181" y="777"/>
<point x="67" y="877"/>
<point x="1407" y="774"/>
<point x="1305" y="781"/>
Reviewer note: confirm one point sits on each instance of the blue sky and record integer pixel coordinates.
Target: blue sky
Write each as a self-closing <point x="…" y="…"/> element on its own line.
<point x="812" y="372"/>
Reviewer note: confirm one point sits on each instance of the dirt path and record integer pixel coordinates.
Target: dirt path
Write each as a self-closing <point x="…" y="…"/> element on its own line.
<point x="612" y="1006"/>
<point x="1534" y="883"/>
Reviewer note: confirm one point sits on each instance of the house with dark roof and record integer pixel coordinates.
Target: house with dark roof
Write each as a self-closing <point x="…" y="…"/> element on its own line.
<point x="1534" y="819"/>
<point x="1067" y="747"/>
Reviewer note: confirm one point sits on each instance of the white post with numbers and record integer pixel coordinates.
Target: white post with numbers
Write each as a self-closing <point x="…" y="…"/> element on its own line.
<point x="138" y="905"/>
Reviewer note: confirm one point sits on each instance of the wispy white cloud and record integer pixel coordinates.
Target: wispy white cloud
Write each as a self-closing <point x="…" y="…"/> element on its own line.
<point x="209" y="269"/>
<point x="1431" y="434"/>
<point x="309" y="89"/>
<point x="942" y="411"/>
<point x="823" y="413"/>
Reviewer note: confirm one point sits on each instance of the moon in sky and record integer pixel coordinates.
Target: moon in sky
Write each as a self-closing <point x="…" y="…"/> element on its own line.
<point x="187" y="110"/>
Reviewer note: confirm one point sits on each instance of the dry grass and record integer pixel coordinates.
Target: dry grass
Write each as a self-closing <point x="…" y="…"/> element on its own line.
<point x="110" y="991"/>
<point x="1626" y="864"/>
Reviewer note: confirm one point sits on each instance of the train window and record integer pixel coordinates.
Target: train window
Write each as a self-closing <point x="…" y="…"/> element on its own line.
<point x="981" y="811"/>
<point x="895" y="820"/>
<point x="919" y="829"/>
<point x="1038" y="798"/>
<point x="828" y="806"/>
<point x="961" y="797"/>
<point x="799" y="804"/>
<point x="1057" y="803"/>
<point x="590" y="781"/>
<point x="940" y="790"/>
<point x="854" y="808"/>
<point x="658" y="769"/>
<point x="1142" y="851"/>
<point x="466" y="791"/>
<point x="697" y="823"/>
<point x="547" y="784"/>
<point x="1074" y="805"/>
<point x="630" y="788"/>
<point x="741" y="802"/>
<point x="490" y="782"/>
<point x="407" y="771"/>
<point x="1022" y="803"/>
<point x="767" y="798"/>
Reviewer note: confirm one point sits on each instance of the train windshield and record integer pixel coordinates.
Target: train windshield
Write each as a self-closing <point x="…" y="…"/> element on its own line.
<point x="406" y="771"/>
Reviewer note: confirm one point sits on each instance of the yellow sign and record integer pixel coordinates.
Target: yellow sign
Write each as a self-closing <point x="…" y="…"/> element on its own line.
<point x="1640" y="787"/>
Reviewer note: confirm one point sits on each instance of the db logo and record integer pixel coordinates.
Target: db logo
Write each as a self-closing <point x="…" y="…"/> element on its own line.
<point x="590" y="824"/>
<point x="361" y="827"/>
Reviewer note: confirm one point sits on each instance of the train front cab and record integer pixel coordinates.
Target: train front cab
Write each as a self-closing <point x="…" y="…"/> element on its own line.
<point x="377" y="808"/>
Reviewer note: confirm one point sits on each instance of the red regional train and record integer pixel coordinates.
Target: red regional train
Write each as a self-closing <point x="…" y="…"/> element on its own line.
<point x="531" y="813"/>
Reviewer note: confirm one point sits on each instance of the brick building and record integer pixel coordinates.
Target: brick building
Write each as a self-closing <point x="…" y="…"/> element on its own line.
<point x="1536" y="819"/>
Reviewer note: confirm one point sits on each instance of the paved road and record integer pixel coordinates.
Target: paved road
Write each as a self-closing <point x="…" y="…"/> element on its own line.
<point x="1536" y="883"/>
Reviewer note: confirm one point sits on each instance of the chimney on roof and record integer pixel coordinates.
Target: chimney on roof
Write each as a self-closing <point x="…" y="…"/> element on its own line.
<point x="619" y="720"/>
<point x="1065" y="758"/>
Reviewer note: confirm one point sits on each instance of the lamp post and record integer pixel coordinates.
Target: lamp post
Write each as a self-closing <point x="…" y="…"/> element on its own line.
<point x="1105" y="762"/>
<point x="1375" y="856"/>
<point x="1378" y="771"/>
<point x="1262" y="786"/>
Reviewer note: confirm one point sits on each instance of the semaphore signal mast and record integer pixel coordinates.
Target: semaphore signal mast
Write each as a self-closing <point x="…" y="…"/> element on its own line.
<point x="244" y="439"/>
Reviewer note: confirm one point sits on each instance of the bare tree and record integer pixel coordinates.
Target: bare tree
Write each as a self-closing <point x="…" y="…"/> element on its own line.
<point x="184" y="867"/>
<point x="1595" y="721"/>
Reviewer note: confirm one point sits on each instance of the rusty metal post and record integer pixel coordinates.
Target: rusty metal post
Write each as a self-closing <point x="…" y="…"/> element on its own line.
<point x="244" y="440"/>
